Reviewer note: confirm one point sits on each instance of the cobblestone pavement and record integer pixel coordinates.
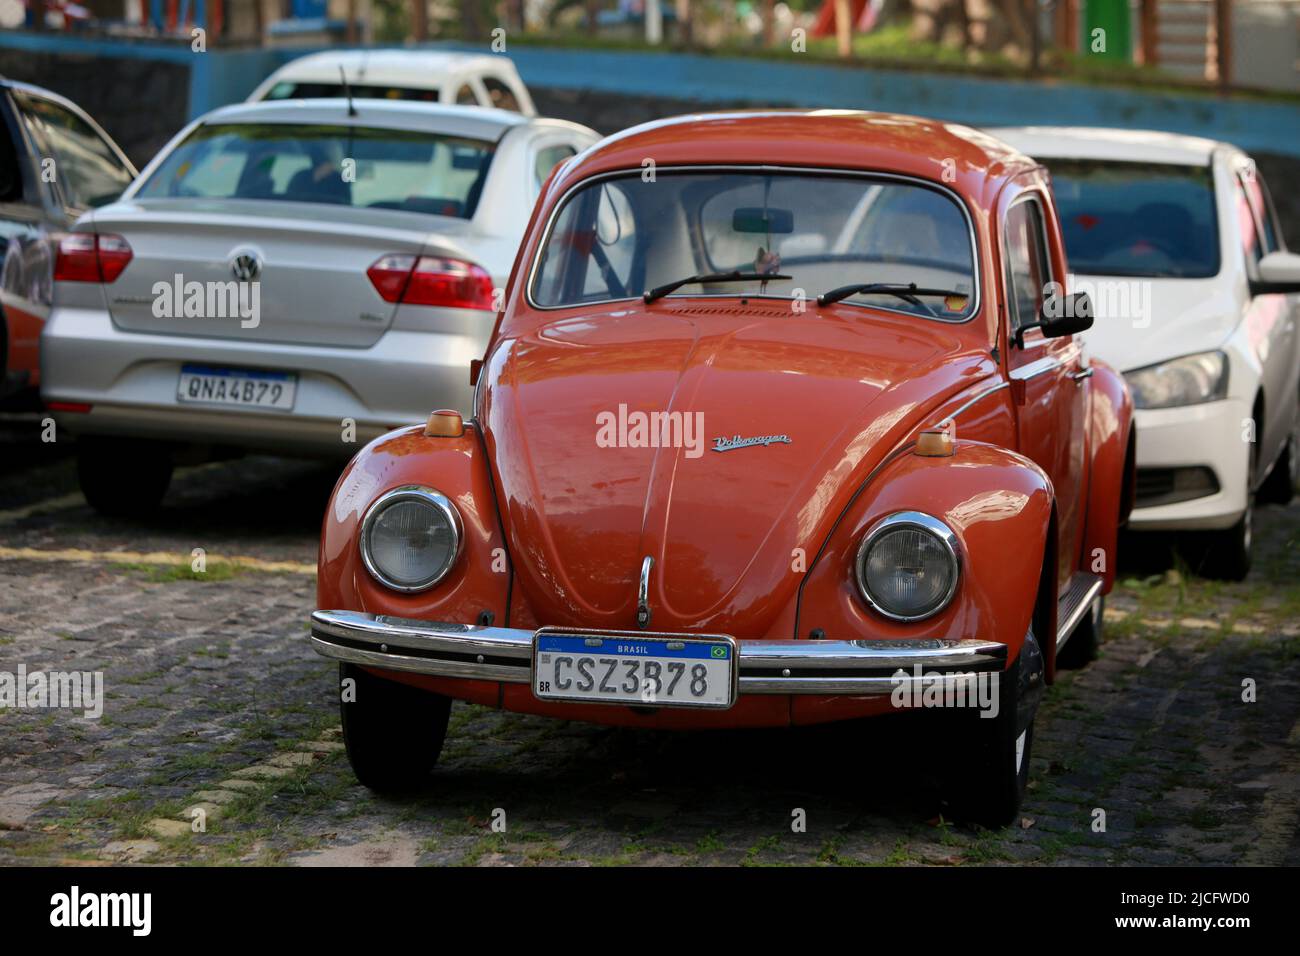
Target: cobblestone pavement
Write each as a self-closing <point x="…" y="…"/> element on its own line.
<point x="217" y="710"/>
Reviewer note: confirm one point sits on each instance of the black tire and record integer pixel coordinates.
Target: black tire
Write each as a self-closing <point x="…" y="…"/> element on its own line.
<point x="123" y="477"/>
<point x="1279" y="487"/>
<point x="393" y="732"/>
<point x="1081" y="649"/>
<point x="992" y="753"/>
<point x="1225" y="555"/>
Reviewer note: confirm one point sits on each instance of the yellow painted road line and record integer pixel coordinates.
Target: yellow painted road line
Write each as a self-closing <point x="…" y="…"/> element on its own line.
<point x="161" y="558"/>
<point x="76" y="499"/>
<point x="73" y="500"/>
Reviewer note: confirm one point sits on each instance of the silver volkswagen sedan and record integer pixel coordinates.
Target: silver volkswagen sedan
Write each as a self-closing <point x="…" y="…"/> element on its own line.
<point x="294" y="277"/>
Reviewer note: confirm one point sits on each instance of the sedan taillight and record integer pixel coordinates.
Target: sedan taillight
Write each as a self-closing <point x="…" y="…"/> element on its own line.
<point x="432" y="280"/>
<point x="86" y="257"/>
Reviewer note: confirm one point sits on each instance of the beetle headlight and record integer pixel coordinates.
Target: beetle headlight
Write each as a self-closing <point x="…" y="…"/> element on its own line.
<point x="1189" y="380"/>
<point x="410" y="538"/>
<point x="907" y="566"/>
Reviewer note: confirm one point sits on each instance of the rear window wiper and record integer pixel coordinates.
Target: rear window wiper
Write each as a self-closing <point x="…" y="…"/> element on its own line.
<point x="908" y="293"/>
<point x="660" y="291"/>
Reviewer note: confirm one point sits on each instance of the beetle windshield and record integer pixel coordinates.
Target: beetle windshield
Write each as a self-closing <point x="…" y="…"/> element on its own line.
<point x="620" y="237"/>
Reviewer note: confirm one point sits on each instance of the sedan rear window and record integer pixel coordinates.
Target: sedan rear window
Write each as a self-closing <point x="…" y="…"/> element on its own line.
<point x="812" y="232"/>
<point x="340" y="165"/>
<point x="289" y="90"/>
<point x="1150" y="220"/>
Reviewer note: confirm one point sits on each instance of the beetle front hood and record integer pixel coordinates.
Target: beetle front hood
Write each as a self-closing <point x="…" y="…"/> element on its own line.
<point x="576" y="414"/>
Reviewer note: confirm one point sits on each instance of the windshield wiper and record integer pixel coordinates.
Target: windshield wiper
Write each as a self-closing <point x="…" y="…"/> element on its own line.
<point x="660" y="291"/>
<point x="908" y="293"/>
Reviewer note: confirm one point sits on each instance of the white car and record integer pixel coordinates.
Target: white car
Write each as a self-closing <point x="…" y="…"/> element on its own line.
<point x="293" y="277"/>
<point x="1178" y="243"/>
<point x="466" y="79"/>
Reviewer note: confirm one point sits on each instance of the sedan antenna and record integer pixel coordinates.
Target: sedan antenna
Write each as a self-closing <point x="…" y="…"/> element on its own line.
<point x="347" y="91"/>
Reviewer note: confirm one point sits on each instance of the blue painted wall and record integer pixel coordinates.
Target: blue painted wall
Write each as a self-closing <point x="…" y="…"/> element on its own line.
<point x="1269" y="126"/>
<point x="219" y="77"/>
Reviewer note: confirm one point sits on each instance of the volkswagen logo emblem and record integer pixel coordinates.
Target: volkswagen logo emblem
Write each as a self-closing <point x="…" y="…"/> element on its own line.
<point x="246" y="267"/>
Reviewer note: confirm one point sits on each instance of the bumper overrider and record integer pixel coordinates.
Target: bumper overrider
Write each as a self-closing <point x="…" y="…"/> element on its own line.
<point x="819" y="667"/>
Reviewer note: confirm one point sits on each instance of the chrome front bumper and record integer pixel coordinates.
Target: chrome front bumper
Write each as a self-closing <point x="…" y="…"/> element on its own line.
<point x="471" y="652"/>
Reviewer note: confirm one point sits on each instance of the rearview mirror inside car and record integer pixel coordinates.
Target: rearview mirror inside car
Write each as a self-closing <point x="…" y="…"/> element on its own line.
<point x="765" y="221"/>
<point x="466" y="158"/>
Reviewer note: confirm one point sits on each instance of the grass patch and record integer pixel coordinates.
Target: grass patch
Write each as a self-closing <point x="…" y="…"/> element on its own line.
<point x="184" y="571"/>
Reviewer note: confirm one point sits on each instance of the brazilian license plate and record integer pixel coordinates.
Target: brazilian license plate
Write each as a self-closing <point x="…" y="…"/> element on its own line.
<point x="635" y="668"/>
<point x="241" y="388"/>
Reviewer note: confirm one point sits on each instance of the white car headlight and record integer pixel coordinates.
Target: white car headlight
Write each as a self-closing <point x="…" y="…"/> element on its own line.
<point x="410" y="538"/>
<point x="907" y="566"/>
<point x="1189" y="380"/>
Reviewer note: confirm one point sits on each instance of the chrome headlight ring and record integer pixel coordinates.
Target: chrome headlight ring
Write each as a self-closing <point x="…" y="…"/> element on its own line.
<point x="913" y="521"/>
<point x="442" y="508"/>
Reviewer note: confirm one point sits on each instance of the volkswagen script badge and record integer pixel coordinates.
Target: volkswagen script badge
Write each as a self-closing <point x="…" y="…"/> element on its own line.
<point x="735" y="441"/>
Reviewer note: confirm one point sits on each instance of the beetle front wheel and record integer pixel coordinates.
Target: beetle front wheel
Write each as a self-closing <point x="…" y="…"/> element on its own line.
<point x="990" y="766"/>
<point x="393" y="732"/>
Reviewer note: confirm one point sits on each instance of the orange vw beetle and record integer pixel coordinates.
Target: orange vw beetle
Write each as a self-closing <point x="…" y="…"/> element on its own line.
<point x="784" y="421"/>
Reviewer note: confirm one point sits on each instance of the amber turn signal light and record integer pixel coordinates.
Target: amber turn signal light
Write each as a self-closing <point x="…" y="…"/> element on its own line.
<point x="934" y="443"/>
<point x="444" y="423"/>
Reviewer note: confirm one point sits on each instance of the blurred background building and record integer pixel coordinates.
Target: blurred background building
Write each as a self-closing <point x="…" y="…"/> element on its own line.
<point x="1237" y="43"/>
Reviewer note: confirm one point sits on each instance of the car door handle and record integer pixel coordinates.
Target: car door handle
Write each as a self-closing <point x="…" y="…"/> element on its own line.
<point x="1081" y="375"/>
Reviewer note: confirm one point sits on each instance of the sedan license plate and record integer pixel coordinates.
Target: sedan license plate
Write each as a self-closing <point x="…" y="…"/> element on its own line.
<point x="243" y="388"/>
<point x="652" y="670"/>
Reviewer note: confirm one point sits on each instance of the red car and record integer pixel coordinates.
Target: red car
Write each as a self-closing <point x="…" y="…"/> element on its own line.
<point x="55" y="163"/>
<point x="784" y="421"/>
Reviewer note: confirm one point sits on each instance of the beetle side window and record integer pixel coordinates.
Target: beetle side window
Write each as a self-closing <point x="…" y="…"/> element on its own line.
<point x="465" y="96"/>
<point x="1027" y="270"/>
<point x="590" y="255"/>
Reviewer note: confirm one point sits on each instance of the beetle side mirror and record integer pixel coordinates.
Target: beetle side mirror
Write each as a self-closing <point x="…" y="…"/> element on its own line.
<point x="1060" y="315"/>
<point x="1279" y="272"/>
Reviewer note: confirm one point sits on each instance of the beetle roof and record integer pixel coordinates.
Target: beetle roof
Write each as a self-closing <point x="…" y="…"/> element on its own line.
<point x="842" y="139"/>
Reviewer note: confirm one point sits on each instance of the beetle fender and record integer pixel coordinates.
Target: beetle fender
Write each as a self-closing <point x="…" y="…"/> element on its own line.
<point x="480" y="580"/>
<point x="1112" y="476"/>
<point x="999" y="505"/>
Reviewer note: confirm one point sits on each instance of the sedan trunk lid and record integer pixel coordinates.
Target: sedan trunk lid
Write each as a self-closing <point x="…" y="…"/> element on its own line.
<point x="308" y="262"/>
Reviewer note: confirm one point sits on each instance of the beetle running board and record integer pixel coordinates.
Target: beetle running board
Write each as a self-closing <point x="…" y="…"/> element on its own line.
<point x="1077" y="601"/>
